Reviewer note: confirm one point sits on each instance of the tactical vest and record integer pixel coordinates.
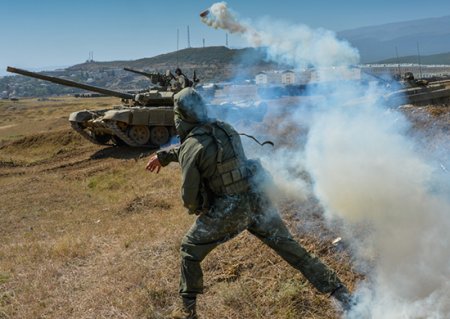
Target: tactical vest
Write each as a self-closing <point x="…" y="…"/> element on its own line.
<point x="232" y="174"/>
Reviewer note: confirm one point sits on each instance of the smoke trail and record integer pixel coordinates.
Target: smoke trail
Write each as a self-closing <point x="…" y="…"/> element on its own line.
<point x="293" y="44"/>
<point x="220" y="17"/>
<point x="366" y="169"/>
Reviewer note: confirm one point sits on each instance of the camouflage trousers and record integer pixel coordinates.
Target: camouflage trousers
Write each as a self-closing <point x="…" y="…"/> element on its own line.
<point x="228" y="217"/>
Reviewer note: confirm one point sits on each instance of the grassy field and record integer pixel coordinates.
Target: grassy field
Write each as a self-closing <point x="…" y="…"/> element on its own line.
<point x="86" y="232"/>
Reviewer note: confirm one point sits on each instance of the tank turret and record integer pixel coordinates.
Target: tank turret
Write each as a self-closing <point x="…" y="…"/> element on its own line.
<point x="158" y="79"/>
<point x="436" y="92"/>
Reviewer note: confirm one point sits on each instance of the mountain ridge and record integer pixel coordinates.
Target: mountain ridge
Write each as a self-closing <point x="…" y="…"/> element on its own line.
<point x="428" y="36"/>
<point x="436" y="59"/>
<point x="206" y="61"/>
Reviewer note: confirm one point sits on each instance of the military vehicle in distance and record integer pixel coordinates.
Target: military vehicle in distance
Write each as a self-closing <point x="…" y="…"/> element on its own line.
<point x="143" y="120"/>
<point x="419" y="92"/>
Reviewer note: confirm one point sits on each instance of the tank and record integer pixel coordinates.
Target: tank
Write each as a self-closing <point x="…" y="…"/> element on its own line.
<point x="142" y="120"/>
<point x="419" y="92"/>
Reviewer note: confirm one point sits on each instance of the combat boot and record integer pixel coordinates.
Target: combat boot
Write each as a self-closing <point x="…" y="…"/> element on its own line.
<point x="344" y="297"/>
<point x="187" y="310"/>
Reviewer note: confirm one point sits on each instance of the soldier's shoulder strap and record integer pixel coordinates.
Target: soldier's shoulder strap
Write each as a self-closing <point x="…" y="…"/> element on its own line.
<point x="208" y="129"/>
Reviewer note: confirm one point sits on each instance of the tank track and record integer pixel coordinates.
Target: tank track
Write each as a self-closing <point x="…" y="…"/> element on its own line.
<point x="76" y="126"/>
<point x="120" y="134"/>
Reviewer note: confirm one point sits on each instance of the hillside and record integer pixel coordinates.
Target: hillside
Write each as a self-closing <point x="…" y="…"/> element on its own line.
<point x="211" y="63"/>
<point x="379" y="42"/>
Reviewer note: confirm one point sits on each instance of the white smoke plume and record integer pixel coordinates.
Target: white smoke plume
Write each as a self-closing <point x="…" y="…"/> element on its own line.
<point x="220" y="17"/>
<point x="294" y="44"/>
<point x="366" y="170"/>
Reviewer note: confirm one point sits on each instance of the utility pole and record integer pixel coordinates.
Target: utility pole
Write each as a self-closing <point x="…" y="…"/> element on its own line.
<point x="226" y="40"/>
<point x="178" y="43"/>
<point x="90" y="57"/>
<point x="203" y="42"/>
<point x="188" y="38"/>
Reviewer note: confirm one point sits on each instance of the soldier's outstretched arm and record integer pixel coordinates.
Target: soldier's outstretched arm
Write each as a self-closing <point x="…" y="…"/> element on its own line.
<point x="168" y="156"/>
<point x="162" y="158"/>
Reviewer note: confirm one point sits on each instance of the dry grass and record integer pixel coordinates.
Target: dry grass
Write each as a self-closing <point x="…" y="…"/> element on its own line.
<point x="85" y="232"/>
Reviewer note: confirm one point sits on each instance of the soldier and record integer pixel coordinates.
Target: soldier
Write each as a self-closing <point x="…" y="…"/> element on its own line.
<point x="181" y="79"/>
<point x="178" y="81"/>
<point x="223" y="188"/>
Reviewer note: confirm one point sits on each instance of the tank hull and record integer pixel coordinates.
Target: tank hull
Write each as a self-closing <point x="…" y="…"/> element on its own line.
<point x="135" y="126"/>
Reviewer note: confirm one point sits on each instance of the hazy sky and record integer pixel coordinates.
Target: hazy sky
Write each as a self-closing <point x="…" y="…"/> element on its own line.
<point x="51" y="33"/>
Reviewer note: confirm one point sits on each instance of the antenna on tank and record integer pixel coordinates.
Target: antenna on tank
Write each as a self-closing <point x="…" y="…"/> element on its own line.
<point x="418" y="57"/>
<point x="398" y="62"/>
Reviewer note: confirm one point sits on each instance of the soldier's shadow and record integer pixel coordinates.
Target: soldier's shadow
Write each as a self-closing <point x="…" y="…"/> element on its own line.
<point x="123" y="152"/>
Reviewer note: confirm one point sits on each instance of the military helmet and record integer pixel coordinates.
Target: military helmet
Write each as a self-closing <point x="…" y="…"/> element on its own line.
<point x="189" y="111"/>
<point x="189" y="106"/>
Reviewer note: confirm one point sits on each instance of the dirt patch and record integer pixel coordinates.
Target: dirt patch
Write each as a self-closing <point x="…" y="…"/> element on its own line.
<point x="147" y="204"/>
<point x="61" y="138"/>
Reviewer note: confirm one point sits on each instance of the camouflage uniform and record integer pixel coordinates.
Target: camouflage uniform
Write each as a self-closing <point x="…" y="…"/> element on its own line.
<point x="223" y="188"/>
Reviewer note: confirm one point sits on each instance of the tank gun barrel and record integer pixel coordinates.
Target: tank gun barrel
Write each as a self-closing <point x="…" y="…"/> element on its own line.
<point x="149" y="75"/>
<point x="71" y="83"/>
<point x="155" y="78"/>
